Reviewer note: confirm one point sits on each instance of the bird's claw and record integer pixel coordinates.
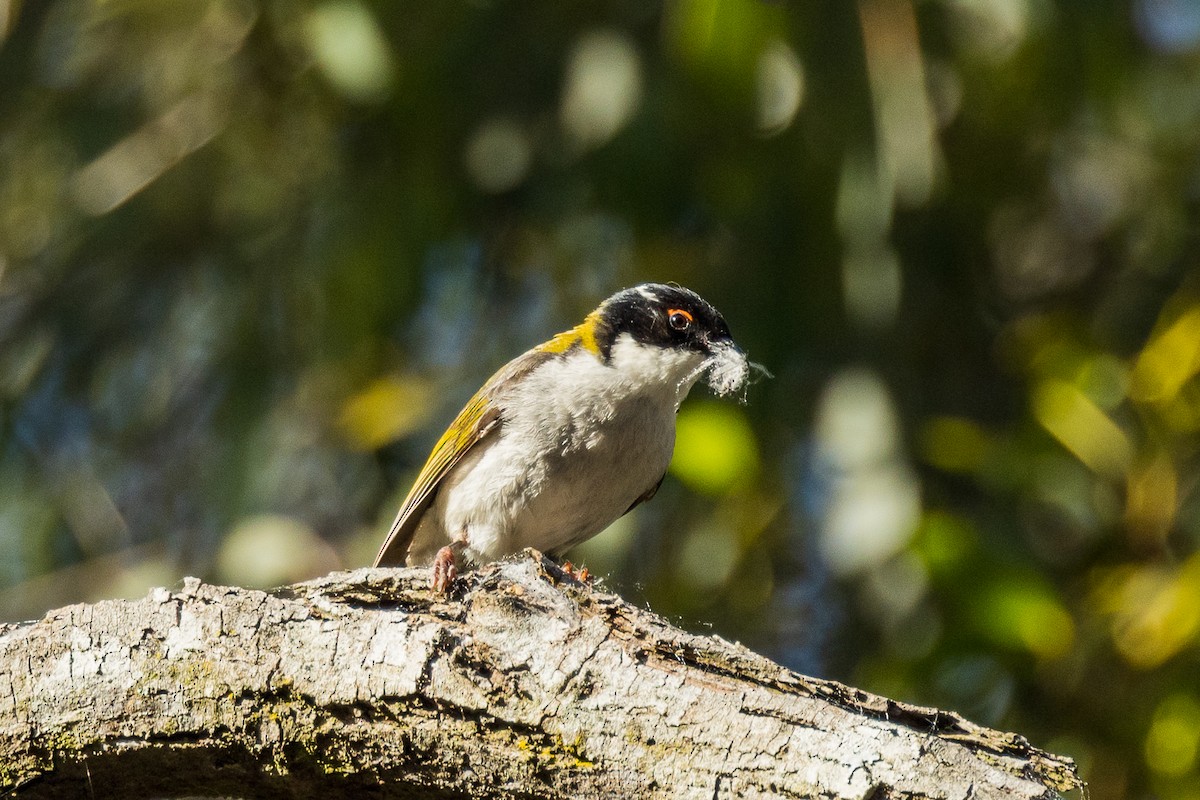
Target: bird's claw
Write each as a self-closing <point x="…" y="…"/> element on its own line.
<point x="444" y="570"/>
<point x="583" y="576"/>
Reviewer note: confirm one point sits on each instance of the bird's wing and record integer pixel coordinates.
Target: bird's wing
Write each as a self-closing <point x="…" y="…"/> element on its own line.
<point x="481" y="417"/>
<point x="646" y="495"/>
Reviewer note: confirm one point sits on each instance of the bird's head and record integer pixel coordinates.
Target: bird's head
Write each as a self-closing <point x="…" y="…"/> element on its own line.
<point x="673" y="326"/>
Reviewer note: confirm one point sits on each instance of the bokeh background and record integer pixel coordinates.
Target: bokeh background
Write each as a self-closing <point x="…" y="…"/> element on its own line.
<point x="254" y="255"/>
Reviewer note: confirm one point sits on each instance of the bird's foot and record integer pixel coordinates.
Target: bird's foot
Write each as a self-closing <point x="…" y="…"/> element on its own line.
<point x="444" y="570"/>
<point x="583" y="576"/>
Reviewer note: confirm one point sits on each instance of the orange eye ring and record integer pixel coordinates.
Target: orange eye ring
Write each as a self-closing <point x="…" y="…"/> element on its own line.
<point x="678" y="319"/>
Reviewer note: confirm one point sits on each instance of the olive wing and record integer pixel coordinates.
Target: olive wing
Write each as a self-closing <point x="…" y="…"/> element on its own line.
<point x="480" y="418"/>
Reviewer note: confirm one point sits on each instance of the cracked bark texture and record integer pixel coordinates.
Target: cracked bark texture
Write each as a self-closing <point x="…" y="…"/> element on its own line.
<point x="524" y="683"/>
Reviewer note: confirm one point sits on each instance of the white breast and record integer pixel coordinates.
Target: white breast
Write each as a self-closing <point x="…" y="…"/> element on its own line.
<point x="580" y="441"/>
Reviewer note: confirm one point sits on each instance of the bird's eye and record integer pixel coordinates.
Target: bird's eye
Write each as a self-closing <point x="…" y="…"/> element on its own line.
<point x="678" y="319"/>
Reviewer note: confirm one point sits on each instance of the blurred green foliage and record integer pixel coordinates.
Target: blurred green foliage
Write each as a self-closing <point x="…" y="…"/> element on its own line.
<point x="254" y="254"/>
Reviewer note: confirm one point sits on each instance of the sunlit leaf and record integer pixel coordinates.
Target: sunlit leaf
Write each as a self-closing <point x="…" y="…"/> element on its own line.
<point x="1155" y="610"/>
<point x="722" y="40"/>
<point x="386" y="410"/>
<point x="1082" y="427"/>
<point x="1173" y="741"/>
<point x="350" y="49"/>
<point x="715" y="451"/>
<point x="1022" y="612"/>
<point x="943" y="541"/>
<point x="1170" y="359"/>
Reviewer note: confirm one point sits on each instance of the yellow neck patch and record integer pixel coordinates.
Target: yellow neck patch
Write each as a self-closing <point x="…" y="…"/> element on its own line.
<point x="583" y="334"/>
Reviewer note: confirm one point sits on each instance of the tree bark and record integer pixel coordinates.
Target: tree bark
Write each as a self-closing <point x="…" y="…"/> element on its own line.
<point x="524" y="683"/>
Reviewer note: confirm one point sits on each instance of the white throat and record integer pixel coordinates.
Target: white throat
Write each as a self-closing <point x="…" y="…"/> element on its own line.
<point x="657" y="370"/>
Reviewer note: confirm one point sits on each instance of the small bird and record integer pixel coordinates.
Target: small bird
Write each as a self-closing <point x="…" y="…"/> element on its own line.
<point x="567" y="437"/>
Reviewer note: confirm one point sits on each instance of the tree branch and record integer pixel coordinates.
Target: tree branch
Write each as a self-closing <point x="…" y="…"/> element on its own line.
<point x="524" y="684"/>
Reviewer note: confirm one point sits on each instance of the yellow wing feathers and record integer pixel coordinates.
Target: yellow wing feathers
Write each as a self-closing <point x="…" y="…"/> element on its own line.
<point x="473" y="423"/>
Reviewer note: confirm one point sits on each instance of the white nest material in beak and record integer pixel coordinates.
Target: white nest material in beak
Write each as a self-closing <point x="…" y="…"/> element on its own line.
<point x="727" y="368"/>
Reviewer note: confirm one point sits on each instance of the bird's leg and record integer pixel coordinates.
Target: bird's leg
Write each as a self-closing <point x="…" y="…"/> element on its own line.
<point x="445" y="568"/>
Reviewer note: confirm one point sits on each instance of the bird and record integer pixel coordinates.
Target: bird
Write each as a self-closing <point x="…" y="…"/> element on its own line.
<point x="566" y="437"/>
